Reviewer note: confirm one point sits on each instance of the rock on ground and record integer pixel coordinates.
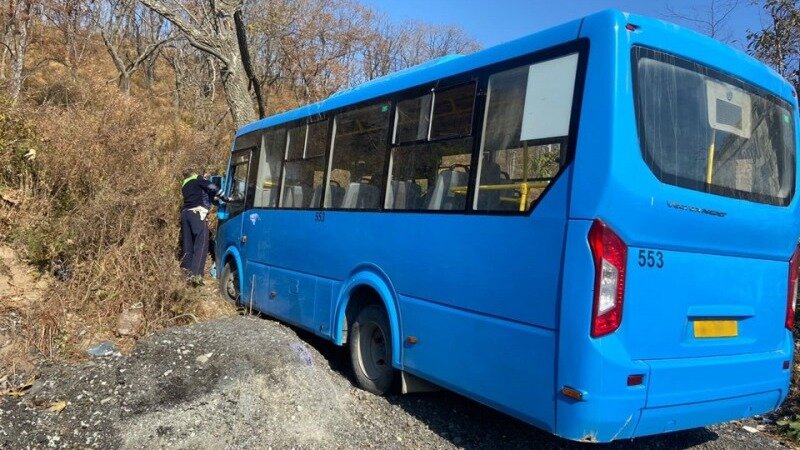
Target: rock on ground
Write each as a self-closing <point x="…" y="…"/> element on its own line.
<point x="251" y="383"/>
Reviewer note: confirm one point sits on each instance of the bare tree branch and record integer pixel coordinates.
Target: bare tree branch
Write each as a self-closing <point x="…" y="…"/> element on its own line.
<point x="196" y="36"/>
<point x="711" y="19"/>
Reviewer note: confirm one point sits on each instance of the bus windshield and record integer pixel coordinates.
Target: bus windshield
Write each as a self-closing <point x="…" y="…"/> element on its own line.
<point x="704" y="130"/>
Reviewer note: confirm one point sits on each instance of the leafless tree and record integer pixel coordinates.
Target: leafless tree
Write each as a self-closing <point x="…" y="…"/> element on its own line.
<point x="392" y="46"/>
<point x="710" y="18"/>
<point x="210" y="27"/>
<point x="150" y="27"/>
<point x="17" y="16"/>
<point x="778" y="43"/>
<point x="72" y="18"/>
<point x="122" y="29"/>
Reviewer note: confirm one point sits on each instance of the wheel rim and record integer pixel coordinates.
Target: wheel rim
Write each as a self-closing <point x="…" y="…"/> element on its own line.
<point x="230" y="286"/>
<point x="373" y="351"/>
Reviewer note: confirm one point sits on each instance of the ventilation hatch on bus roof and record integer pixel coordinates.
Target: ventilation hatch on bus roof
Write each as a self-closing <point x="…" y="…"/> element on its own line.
<point x="729" y="108"/>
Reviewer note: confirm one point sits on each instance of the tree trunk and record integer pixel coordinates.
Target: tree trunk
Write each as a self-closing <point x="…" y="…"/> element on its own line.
<point x="241" y="36"/>
<point x="150" y="70"/>
<point x="71" y="46"/>
<point x="236" y="86"/>
<point x="210" y="84"/>
<point x="217" y="36"/>
<point x="125" y="82"/>
<point x="18" y="58"/>
<point x="3" y="59"/>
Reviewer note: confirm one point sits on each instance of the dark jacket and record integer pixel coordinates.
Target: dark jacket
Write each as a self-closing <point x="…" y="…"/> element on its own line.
<point x="198" y="191"/>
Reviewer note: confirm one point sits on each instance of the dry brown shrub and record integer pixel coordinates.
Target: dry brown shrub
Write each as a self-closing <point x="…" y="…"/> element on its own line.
<point x="102" y="198"/>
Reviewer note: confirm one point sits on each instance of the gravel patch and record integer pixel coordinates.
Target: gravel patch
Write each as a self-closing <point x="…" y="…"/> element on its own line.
<point x="245" y="382"/>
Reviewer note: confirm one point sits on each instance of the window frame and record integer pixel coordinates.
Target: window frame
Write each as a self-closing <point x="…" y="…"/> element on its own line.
<point x="262" y="149"/>
<point x="247" y="201"/>
<point x="306" y="124"/>
<point x="480" y="76"/>
<point x="449" y="87"/>
<point x="639" y="52"/>
<point x="563" y="141"/>
<point x="331" y="144"/>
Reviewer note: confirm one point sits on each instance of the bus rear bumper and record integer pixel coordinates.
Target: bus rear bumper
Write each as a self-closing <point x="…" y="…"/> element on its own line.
<point x="695" y="392"/>
<point x="678" y="395"/>
<point x="693" y="415"/>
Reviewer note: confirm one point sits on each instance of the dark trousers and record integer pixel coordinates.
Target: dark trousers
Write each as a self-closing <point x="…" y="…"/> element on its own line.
<point x="194" y="241"/>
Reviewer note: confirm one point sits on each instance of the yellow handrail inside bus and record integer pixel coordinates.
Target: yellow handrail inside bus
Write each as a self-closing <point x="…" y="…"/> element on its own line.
<point x="523" y="198"/>
<point x="524" y="187"/>
<point x="503" y="187"/>
<point x="710" y="165"/>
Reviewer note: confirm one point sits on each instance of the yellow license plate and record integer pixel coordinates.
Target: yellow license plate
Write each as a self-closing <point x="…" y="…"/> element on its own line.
<point x="715" y="328"/>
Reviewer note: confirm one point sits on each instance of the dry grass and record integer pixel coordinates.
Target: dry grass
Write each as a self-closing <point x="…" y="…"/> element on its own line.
<point x="97" y="206"/>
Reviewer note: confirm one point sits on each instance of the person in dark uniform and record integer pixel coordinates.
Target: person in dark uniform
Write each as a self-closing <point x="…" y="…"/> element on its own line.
<point x="197" y="195"/>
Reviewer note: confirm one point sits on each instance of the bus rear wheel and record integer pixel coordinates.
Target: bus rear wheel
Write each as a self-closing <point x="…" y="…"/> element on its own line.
<point x="229" y="284"/>
<point x="371" y="350"/>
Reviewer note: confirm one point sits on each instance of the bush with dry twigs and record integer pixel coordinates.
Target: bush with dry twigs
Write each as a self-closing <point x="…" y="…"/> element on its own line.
<point x="95" y="205"/>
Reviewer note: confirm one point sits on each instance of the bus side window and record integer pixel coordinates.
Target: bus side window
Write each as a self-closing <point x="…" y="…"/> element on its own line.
<point x="430" y="161"/>
<point x="526" y="124"/>
<point x="357" y="157"/>
<point x="237" y="183"/>
<point x="304" y="170"/>
<point x="240" y="180"/>
<point x="269" y="170"/>
<point x="452" y="112"/>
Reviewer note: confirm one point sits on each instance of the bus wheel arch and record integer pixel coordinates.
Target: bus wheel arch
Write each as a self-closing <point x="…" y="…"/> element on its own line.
<point x="361" y="291"/>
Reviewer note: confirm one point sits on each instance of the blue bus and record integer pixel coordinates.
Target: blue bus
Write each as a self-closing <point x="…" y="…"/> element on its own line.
<point x="593" y="229"/>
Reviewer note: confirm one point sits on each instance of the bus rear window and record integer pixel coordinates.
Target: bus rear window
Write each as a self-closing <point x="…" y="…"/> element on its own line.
<point x="701" y="129"/>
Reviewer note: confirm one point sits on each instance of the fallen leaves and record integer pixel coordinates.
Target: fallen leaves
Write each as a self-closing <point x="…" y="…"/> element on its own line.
<point x="57" y="407"/>
<point x="20" y="390"/>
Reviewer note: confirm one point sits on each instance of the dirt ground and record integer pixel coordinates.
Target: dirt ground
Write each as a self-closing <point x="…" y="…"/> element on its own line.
<point x="248" y="382"/>
<point x="20" y="286"/>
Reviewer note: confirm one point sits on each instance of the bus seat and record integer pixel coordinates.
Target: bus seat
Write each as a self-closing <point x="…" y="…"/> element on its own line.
<point x="489" y="200"/>
<point x="336" y="197"/>
<point x="333" y="200"/>
<point x="265" y="197"/>
<point x="361" y="196"/>
<point x="442" y="198"/>
<point x="316" y="197"/>
<point x="404" y="195"/>
<point x="296" y="196"/>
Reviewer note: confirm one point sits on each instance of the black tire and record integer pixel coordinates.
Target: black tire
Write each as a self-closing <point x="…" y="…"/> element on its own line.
<point x="229" y="284"/>
<point x="370" y="342"/>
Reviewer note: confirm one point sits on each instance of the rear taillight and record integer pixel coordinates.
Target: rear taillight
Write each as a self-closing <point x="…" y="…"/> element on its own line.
<point x="791" y="297"/>
<point x="610" y="258"/>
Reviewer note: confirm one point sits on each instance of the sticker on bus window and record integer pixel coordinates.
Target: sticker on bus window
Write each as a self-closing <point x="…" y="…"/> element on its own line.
<point x="729" y="108"/>
<point x="548" y="98"/>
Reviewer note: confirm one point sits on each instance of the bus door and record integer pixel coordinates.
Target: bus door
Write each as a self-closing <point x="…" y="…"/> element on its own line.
<point x="232" y="229"/>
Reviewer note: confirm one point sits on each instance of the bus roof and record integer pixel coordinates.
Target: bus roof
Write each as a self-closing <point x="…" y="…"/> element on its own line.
<point x="450" y="65"/>
<point x="426" y="72"/>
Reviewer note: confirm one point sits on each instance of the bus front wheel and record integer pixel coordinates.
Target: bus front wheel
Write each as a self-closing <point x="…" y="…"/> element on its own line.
<point x="371" y="350"/>
<point x="229" y="283"/>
